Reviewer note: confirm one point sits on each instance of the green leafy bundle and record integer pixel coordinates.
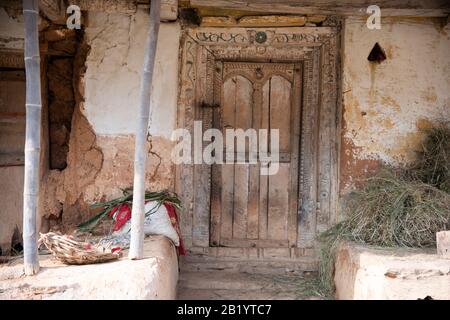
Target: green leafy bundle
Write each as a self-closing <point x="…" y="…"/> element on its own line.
<point x="160" y="197"/>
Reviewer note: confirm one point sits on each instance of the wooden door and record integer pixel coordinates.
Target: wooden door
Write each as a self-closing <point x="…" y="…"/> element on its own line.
<point x="249" y="209"/>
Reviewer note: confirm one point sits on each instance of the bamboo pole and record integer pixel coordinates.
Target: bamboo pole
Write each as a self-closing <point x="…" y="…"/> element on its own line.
<point x="140" y="153"/>
<point x="32" y="136"/>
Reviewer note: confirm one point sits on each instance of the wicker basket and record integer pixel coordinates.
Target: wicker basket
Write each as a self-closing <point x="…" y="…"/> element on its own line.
<point x="71" y="251"/>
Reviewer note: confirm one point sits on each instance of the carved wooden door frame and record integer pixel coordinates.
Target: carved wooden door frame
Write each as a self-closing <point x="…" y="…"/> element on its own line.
<point x="317" y="49"/>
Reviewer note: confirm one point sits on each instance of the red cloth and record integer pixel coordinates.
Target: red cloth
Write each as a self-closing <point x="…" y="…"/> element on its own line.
<point x="113" y="211"/>
<point x="122" y="213"/>
<point x="122" y="216"/>
<point x="174" y="219"/>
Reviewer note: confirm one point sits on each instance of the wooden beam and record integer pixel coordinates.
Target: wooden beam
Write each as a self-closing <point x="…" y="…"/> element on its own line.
<point x="432" y="8"/>
<point x="255" y="21"/>
<point x="120" y="6"/>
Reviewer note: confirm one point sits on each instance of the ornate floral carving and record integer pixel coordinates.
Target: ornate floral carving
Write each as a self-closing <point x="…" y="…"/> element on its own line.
<point x="266" y="37"/>
<point x="11" y="60"/>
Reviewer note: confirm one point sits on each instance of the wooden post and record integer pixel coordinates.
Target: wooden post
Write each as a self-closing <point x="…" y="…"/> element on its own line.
<point x="140" y="153"/>
<point x="32" y="136"/>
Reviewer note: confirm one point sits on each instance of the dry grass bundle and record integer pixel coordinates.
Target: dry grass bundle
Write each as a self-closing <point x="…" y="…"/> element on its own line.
<point x="389" y="211"/>
<point x="396" y="208"/>
<point x="71" y="251"/>
<point x="433" y="164"/>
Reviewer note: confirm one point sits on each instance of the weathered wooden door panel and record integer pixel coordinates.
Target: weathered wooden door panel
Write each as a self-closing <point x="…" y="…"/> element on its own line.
<point x="255" y="210"/>
<point x="304" y="62"/>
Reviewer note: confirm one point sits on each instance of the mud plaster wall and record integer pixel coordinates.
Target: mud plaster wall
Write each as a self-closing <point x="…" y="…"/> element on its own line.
<point x="11" y="30"/>
<point x="101" y="148"/>
<point x="386" y="104"/>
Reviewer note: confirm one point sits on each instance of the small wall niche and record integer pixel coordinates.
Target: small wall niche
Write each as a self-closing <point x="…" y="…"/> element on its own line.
<point x="377" y="54"/>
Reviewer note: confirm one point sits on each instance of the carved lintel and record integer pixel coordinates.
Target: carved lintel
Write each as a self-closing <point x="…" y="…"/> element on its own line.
<point x="258" y="73"/>
<point x="12" y="59"/>
<point x="272" y="36"/>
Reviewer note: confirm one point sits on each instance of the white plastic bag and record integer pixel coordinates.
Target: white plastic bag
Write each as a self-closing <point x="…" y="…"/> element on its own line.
<point x="156" y="223"/>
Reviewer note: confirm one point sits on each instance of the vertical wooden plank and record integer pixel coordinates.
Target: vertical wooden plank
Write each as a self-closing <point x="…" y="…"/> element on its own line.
<point x="243" y="120"/>
<point x="253" y="202"/>
<point x="243" y="104"/>
<point x="278" y="193"/>
<point x="308" y="178"/>
<point x="278" y="203"/>
<point x="254" y="174"/>
<point x="334" y="87"/>
<point x="229" y="106"/>
<point x="185" y="172"/>
<point x="226" y="223"/>
<point x="326" y="119"/>
<point x="264" y="180"/>
<point x="216" y="170"/>
<point x="227" y="170"/>
<point x="216" y="206"/>
<point x="202" y="172"/>
<point x="280" y="110"/>
<point x="295" y="146"/>
<point x="241" y="175"/>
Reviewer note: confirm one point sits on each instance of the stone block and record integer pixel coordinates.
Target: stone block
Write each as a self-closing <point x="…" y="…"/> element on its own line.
<point x="369" y="273"/>
<point x="443" y="244"/>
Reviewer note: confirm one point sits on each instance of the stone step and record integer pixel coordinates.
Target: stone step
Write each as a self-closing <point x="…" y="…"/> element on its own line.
<point x="298" y="266"/>
<point x="241" y="286"/>
<point x="219" y="294"/>
<point x="223" y="280"/>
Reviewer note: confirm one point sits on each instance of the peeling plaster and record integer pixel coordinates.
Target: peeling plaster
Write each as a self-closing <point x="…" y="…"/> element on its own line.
<point x="114" y="72"/>
<point x="386" y="104"/>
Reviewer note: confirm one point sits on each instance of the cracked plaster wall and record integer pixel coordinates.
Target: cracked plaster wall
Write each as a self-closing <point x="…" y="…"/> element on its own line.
<point x="385" y="105"/>
<point x="99" y="169"/>
<point x="114" y="69"/>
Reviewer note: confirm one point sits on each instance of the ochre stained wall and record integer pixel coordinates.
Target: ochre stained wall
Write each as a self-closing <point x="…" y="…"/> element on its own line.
<point x="385" y="104"/>
<point x="107" y="82"/>
<point x="111" y="90"/>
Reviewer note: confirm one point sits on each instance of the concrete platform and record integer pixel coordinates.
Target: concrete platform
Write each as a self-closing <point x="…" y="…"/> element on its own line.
<point x="369" y="273"/>
<point x="153" y="278"/>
